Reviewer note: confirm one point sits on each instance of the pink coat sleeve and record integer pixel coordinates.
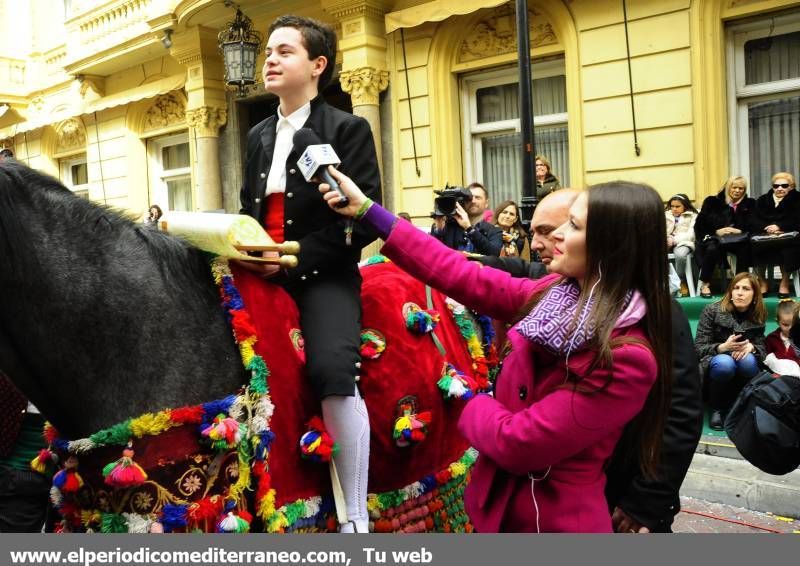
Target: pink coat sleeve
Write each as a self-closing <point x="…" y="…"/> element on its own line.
<point x="488" y="291"/>
<point x="563" y="423"/>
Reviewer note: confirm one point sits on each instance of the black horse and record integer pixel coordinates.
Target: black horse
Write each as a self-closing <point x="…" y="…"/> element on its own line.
<point x="95" y="310"/>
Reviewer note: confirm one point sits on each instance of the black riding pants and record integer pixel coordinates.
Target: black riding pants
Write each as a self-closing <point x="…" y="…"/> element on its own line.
<point x="330" y="316"/>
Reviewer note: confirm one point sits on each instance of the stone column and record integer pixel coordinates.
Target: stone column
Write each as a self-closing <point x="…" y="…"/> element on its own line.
<point x="364" y="86"/>
<point x="206" y="110"/>
<point x="205" y="123"/>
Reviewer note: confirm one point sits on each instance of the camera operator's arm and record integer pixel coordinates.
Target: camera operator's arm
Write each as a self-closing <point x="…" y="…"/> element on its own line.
<point x="486" y="238"/>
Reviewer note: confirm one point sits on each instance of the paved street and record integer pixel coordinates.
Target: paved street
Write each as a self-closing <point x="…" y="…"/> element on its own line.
<point x="699" y="516"/>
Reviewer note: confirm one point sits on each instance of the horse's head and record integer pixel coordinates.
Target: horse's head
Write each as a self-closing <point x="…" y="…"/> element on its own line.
<point x="101" y="317"/>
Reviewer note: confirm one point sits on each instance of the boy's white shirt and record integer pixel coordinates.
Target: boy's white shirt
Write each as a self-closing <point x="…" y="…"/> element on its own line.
<point x="284" y="132"/>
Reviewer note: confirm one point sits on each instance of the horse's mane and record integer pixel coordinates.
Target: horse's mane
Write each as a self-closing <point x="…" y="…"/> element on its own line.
<point x="101" y="228"/>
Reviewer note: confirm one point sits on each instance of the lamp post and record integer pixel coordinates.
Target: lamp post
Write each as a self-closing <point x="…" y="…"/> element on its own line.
<point x="239" y="45"/>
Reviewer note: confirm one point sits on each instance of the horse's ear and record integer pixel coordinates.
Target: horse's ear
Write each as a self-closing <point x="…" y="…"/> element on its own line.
<point x="103" y="224"/>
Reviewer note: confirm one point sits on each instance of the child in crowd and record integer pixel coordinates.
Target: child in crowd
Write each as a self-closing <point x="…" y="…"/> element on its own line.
<point x="782" y="354"/>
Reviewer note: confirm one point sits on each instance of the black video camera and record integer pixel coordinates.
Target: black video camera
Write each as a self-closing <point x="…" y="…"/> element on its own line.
<point x="445" y="203"/>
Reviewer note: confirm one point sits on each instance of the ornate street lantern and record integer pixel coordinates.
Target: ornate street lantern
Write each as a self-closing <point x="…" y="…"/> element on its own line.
<point x="239" y="45"/>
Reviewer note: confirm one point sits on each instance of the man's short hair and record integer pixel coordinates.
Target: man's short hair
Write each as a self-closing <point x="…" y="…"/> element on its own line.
<point x="318" y="39"/>
<point x="6" y="153"/>
<point x="477" y="185"/>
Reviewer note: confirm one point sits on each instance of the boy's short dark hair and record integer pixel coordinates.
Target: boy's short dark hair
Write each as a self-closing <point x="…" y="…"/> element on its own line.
<point x="318" y="39"/>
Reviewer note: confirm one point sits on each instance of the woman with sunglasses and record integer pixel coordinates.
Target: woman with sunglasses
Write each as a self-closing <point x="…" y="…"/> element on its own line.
<point x="778" y="212"/>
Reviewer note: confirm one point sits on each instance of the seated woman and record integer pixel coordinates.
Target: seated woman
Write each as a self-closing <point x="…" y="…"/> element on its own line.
<point x="681" y="216"/>
<point x="782" y="355"/>
<point x="721" y="219"/>
<point x="515" y="239"/>
<point x="730" y="343"/>
<point x="546" y="181"/>
<point x="590" y="350"/>
<point x="776" y="212"/>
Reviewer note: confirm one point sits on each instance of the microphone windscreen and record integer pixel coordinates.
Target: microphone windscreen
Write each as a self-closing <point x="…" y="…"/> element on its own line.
<point x="303" y="138"/>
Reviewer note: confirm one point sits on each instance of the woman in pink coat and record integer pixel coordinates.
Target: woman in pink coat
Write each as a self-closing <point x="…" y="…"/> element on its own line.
<point x="590" y="351"/>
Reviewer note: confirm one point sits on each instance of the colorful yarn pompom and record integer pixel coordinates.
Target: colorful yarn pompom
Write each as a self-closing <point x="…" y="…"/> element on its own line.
<point x="317" y="445"/>
<point x="68" y="480"/>
<point x="224" y="432"/>
<point x="411" y="428"/>
<point x="456" y="385"/>
<point x="421" y="321"/>
<point x="372" y="344"/>
<point x="44" y="461"/>
<point x="124" y="472"/>
<point x="233" y="521"/>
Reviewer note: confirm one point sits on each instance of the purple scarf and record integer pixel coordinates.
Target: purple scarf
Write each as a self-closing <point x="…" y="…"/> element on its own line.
<point x="551" y="323"/>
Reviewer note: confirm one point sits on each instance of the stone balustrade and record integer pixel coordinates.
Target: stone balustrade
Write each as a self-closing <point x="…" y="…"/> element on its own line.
<point x="94" y="26"/>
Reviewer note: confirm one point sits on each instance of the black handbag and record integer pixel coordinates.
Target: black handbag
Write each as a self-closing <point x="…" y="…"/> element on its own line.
<point x="763" y="241"/>
<point x="730" y="239"/>
<point x="764" y="423"/>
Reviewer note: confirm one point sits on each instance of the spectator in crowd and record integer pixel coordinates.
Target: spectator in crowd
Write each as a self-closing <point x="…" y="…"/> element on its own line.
<point x="722" y="227"/>
<point x="782" y="354"/>
<point x="637" y="503"/>
<point x="515" y="239"/>
<point x="777" y="212"/>
<point x="585" y="360"/>
<point x="546" y="181"/>
<point x="730" y="343"/>
<point x="466" y="230"/>
<point x="681" y="216"/>
<point x="6" y="153"/>
<point x="326" y="284"/>
<point x="154" y="214"/>
<point x="23" y="492"/>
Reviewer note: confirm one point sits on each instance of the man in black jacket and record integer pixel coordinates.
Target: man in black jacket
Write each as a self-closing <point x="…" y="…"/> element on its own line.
<point x="637" y="504"/>
<point x="326" y="284"/>
<point x="466" y="230"/>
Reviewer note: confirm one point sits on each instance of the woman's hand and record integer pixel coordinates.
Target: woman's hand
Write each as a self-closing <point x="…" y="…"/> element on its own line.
<point x="349" y="188"/>
<point x="727" y="230"/>
<point x="670" y="242"/>
<point x="773" y="229"/>
<point x="746" y="348"/>
<point x="732" y="344"/>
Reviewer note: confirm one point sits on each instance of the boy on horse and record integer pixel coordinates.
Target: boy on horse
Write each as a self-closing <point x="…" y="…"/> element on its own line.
<point x="326" y="284"/>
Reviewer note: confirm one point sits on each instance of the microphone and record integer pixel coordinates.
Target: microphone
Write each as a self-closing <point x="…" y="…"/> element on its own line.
<point x="315" y="158"/>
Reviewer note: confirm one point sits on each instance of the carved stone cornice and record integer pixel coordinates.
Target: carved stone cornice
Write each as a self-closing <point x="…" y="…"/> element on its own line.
<point x="207" y="120"/>
<point x="166" y="111"/>
<point x="496" y="34"/>
<point x="364" y="85"/>
<point x="347" y="9"/>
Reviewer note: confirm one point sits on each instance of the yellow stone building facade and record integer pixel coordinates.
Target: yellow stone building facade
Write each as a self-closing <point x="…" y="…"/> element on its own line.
<point x="124" y="99"/>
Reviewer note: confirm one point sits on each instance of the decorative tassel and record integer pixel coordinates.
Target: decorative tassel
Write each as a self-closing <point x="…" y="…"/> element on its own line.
<point x="224" y="432"/>
<point x="124" y="472"/>
<point x="317" y="445"/>
<point x="421" y="321"/>
<point x="234" y="522"/>
<point x="456" y="385"/>
<point x="44" y="461"/>
<point x="173" y="517"/>
<point x="411" y="428"/>
<point x="68" y="480"/>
